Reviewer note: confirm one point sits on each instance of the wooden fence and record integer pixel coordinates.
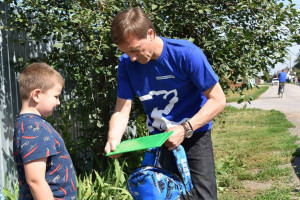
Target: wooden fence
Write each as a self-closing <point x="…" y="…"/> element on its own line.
<point x="11" y="49"/>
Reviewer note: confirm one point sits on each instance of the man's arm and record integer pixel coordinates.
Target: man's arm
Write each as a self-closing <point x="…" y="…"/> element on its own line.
<point x="216" y="102"/>
<point x="35" y="172"/>
<point x="117" y="124"/>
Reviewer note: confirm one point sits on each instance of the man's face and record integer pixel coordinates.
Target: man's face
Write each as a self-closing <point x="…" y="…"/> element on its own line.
<point x="140" y="50"/>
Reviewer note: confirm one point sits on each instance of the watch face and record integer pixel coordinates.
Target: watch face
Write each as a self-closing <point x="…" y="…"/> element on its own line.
<point x="189" y="134"/>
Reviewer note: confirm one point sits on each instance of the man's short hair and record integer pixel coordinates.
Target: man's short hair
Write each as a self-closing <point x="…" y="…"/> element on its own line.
<point x="38" y="75"/>
<point x="131" y="21"/>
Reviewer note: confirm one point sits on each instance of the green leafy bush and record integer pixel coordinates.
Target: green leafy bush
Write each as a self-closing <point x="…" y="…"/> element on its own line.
<point x="109" y="185"/>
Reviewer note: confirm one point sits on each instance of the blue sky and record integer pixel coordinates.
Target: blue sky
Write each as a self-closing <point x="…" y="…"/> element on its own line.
<point x="294" y="50"/>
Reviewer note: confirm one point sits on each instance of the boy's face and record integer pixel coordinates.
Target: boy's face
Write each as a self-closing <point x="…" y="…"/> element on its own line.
<point x="49" y="100"/>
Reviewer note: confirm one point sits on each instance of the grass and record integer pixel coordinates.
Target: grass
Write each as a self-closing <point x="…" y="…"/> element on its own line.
<point x="252" y="145"/>
<point x="251" y="94"/>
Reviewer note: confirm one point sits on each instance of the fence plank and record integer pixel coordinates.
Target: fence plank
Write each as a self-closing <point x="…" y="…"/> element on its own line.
<point x="10" y="103"/>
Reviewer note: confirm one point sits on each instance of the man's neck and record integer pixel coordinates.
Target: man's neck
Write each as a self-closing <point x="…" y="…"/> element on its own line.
<point x="158" y="46"/>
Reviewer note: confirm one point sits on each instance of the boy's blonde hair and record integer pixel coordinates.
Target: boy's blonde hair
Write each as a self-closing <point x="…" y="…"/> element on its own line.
<point x="38" y="75"/>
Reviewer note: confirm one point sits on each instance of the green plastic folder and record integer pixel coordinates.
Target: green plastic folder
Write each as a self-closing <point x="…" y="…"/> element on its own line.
<point x="141" y="143"/>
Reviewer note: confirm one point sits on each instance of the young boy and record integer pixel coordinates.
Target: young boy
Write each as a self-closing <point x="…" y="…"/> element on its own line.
<point x="44" y="166"/>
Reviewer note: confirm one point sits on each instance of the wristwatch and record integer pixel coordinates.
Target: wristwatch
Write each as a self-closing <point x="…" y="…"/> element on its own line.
<point x="188" y="129"/>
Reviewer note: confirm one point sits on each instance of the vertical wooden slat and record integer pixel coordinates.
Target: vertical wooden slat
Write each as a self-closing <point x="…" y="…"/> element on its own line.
<point x="10" y="103"/>
<point x="2" y="92"/>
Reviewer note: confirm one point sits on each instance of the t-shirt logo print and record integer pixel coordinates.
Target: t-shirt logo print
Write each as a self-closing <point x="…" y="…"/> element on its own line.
<point x="165" y="101"/>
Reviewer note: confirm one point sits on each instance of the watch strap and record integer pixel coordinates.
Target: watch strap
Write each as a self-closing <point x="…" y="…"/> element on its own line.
<point x="185" y="126"/>
<point x="187" y="129"/>
<point x="187" y="121"/>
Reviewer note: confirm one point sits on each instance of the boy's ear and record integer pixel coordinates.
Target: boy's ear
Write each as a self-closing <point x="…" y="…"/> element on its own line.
<point x="35" y="95"/>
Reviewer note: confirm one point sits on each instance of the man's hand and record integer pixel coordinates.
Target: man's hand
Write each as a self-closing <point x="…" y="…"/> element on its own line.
<point x="176" y="138"/>
<point x="117" y="125"/>
<point x="111" y="145"/>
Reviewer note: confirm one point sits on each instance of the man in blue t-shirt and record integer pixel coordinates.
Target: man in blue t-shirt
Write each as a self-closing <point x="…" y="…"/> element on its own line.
<point x="282" y="80"/>
<point x="178" y="89"/>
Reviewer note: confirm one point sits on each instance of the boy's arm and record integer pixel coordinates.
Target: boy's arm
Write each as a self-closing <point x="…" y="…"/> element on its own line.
<point x="35" y="172"/>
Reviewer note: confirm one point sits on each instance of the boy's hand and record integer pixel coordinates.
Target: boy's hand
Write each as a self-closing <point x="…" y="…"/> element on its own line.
<point x="111" y="145"/>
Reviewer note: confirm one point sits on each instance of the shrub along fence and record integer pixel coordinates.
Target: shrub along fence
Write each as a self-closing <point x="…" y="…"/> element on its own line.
<point x="12" y="47"/>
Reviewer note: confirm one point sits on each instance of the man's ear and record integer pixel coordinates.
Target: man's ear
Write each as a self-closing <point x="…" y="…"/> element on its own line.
<point x="35" y="95"/>
<point x="151" y="34"/>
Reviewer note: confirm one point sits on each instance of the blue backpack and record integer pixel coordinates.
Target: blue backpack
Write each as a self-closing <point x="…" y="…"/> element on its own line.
<point x="151" y="182"/>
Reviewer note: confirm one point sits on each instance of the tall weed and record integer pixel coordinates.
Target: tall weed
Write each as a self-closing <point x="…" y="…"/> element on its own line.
<point x="11" y="195"/>
<point x="111" y="185"/>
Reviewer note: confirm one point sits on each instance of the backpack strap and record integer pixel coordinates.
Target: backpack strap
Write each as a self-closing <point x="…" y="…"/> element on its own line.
<point x="151" y="157"/>
<point x="183" y="167"/>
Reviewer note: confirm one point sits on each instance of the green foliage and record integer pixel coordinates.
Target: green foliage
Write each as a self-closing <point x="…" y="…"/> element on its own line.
<point x="297" y="63"/>
<point x="297" y="74"/>
<point x="11" y="195"/>
<point x="109" y="185"/>
<point x="240" y="39"/>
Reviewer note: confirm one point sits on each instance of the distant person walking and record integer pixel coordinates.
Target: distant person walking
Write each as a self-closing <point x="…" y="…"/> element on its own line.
<point x="282" y="80"/>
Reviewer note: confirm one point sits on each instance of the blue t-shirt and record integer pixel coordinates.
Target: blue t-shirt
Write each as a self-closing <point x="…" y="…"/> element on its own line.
<point x="35" y="138"/>
<point x="171" y="87"/>
<point x="282" y="77"/>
